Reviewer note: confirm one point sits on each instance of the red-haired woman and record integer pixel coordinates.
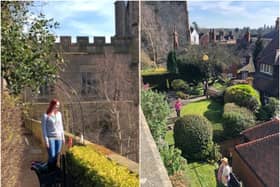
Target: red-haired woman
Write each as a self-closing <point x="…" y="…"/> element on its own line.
<point x="53" y="132"/>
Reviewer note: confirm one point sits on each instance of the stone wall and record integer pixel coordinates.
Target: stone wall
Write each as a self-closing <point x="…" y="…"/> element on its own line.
<point x="158" y="19"/>
<point x="152" y="171"/>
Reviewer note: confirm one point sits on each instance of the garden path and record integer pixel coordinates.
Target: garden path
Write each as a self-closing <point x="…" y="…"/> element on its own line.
<point x="34" y="152"/>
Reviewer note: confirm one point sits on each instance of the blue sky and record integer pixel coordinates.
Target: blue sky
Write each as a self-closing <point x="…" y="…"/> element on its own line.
<point x="96" y="17"/>
<point x="233" y="14"/>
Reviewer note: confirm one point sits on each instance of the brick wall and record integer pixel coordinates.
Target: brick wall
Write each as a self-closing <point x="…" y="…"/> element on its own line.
<point x="243" y="172"/>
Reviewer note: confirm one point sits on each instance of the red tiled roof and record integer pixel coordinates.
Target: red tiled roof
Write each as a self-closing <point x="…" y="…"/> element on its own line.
<point x="262" y="130"/>
<point x="262" y="157"/>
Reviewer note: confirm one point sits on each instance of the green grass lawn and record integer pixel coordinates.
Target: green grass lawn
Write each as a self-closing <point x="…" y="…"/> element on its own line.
<point x="202" y="174"/>
<point x="210" y="109"/>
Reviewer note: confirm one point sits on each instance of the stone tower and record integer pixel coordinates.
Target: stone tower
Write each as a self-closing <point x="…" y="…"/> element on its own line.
<point x="126" y="18"/>
<point x="120" y="10"/>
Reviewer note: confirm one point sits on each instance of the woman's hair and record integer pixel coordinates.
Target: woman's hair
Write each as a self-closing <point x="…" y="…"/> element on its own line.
<point x="52" y="106"/>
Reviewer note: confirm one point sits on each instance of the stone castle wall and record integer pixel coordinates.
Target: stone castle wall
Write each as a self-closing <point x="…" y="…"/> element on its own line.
<point x="158" y="19"/>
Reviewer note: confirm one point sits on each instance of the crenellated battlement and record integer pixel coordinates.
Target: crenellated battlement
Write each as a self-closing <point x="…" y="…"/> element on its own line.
<point x="119" y="44"/>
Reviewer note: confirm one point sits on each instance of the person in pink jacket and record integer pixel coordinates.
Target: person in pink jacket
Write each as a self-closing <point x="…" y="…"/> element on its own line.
<point x="178" y="106"/>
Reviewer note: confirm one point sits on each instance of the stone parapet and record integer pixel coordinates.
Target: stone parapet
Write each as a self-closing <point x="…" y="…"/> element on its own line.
<point x="152" y="170"/>
<point x="99" y="45"/>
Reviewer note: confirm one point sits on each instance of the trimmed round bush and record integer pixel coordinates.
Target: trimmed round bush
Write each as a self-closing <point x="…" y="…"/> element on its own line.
<point x="236" y="119"/>
<point x="243" y="95"/>
<point x="179" y="84"/>
<point x="193" y="135"/>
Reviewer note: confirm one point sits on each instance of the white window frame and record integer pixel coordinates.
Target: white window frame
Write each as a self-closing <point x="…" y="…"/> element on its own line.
<point x="266" y="68"/>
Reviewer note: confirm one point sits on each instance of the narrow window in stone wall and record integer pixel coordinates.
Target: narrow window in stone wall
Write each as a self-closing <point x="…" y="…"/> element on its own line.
<point x="87" y="84"/>
<point x="46" y="90"/>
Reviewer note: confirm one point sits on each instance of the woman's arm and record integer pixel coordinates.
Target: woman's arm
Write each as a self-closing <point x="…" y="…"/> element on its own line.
<point x="44" y="129"/>
<point x="62" y="130"/>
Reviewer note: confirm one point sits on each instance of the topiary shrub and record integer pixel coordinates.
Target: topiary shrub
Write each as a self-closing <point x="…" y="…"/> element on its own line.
<point x="268" y="111"/>
<point x="193" y="135"/>
<point x="243" y="95"/>
<point x="179" y="84"/>
<point x="236" y="119"/>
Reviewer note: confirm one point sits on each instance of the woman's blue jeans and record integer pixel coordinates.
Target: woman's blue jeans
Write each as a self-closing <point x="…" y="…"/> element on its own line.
<point x="54" y="150"/>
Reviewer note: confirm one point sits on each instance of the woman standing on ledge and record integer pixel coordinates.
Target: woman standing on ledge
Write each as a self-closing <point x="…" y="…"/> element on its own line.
<point x="53" y="132"/>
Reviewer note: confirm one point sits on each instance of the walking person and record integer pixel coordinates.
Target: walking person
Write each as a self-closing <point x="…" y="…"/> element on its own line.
<point x="53" y="132"/>
<point x="224" y="172"/>
<point x="205" y="89"/>
<point x="178" y="106"/>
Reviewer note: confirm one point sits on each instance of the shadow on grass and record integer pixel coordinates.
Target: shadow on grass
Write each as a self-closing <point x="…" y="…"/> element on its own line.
<point x="214" y="112"/>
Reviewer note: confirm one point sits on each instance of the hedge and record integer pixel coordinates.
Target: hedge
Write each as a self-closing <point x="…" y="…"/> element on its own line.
<point x="88" y="167"/>
<point x="236" y="119"/>
<point x="159" y="81"/>
<point x="243" y="95"/>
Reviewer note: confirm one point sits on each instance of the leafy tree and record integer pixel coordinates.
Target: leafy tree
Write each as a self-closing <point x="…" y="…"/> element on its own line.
<point x="258" y="49"/>
<point x="171" y="62"/>
<point x="27" y="47"/>
<point x="193" y="69"/>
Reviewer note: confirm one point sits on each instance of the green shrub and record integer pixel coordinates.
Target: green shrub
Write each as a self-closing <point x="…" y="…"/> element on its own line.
<point x="243" y="95"/>
<point x="181" y="95"/>
<point x="236" y="119"/>
<point x="179" y="84"/>
<point x="196" y="90"/>
<point x="193" y="135"/>
<point x="271" y="109"/>
<point x="172" y="159"/>
<point x="90" y="168"/>
<point x="156" y="111"/>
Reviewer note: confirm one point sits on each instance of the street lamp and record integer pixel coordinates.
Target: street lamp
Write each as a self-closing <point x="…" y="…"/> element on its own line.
<point x="205" y="58"/>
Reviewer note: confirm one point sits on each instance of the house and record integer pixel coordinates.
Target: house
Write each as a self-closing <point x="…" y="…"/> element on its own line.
<point x="248" y="68"/>
<point x="266" y="78"/>
<point x="194" y="37"/>
<point x="256" y="161"/>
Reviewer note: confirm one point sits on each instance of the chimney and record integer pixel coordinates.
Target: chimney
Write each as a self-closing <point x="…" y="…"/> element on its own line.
<point x="277" y="24"/>
<point x="247" y="36"/>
